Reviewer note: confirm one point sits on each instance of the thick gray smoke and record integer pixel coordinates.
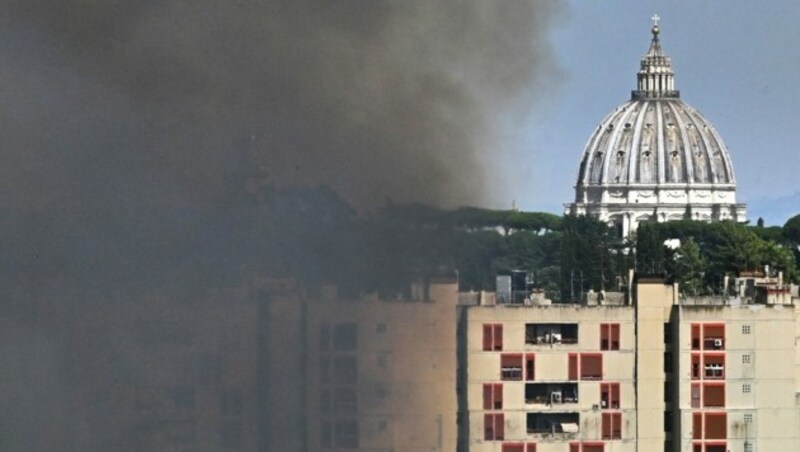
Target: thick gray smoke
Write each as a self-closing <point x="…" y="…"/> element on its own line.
<point x="167" y="101"/>
<point x="128" y="130"/>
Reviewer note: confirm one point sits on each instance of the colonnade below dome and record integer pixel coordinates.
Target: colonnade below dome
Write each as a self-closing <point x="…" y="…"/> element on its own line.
<point x="625" y="207"/>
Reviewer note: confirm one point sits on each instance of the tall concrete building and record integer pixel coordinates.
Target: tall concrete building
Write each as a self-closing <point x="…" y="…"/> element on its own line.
<point x="365" y="374"/>
<point x="655" y="158"/>
<point x="644" y="370"/>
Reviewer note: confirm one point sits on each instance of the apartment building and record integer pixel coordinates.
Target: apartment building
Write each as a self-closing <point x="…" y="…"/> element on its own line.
<point x="370" y="374"/>
<point x="644" y="370"/>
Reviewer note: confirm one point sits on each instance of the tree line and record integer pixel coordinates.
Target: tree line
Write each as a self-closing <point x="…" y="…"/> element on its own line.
<point x="319" y="239"/>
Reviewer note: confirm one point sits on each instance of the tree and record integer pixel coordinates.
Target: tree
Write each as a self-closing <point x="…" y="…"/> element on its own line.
<point x="689" y="267"/>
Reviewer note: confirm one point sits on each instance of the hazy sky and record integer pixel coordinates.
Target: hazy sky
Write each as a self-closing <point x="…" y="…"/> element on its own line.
<point x="735" y="61"/>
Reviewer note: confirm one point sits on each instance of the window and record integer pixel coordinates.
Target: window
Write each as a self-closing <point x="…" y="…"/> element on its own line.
<point x="668" y="362"/>
<point x="551" y="333"/>
<point x="345" y="337"/>
<point x="609" y="396"/>
<point x="324" y="369"/>
<point x="697" y="425"/>
<point x="493" y="396"/>
<point x="511" y="367"/>
<point x="573" y="366"/>
<point x="326" y="435"/>
<point x="324" y="337"/>
<point x="609" y="336"/>
<point x="345" y="370"/>
<point x="586" y="447"/>
<point x="716" y="426"/>
<point x="530" y="367"/>
<point x="695" y="394"/>
<point x="667" y="423"/>
<point x="746" y="388"/>
<point x="748" y="418"/>
<point x="667" y="334"/>
<point x="346" y="434"/>
<point x="713" y="395"/>
<point x="519" y="447"/>
<point x="710" y="426"/>
<point x="231" y="435"/>
<point x="695" y="336"/>
<point x="745" y="329"/>
<point x="746" y="359"/>
<point x="492" y="337"/>
<point x="714" y="366"/>
<point x="344" y="401"/>
<point x="695" y="366"/>
<point x="714" y="336"/>
<point x="493" y="426"/>
<point x="748" y="446"/>
<point x="591" y="366"/>
<point x="612" y="426"/>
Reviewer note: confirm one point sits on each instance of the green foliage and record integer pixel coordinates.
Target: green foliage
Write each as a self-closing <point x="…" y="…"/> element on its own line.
<point x="314" y="236"/>
<point x="714" y="250"/>
<point x="689" y="267"/>
<point x="791" y="230"/>
<point x="591" y="257"/>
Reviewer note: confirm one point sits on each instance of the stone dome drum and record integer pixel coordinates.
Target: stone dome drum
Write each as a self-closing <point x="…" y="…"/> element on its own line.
<point x="655" y="158"/>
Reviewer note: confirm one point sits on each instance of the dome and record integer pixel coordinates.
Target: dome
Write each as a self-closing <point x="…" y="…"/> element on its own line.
<point x="655" y="142"/>
<point x="655" y="158"/>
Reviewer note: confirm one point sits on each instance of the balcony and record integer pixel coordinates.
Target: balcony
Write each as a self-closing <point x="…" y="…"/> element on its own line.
<point x="560" y="425"/>
<point x="551" y="333"/>
<point x="551" y="394"/>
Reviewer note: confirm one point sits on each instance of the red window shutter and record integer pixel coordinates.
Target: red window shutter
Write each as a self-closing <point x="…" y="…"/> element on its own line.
<point x="696" y="366"/>
<point x="513" y="448"/>
<point x="499" y="426"/>
<point x="531" y="447"/>
<point x="603" y="336"/>
<point x="614" y="333"/>
<point x="498" y="396"/>
<point x="616" y="427"/>
<point x="591" y="366"/>
<point x="606" y="428"/>
<point x="716" y="426"/>
<point x="498" y="337"/>
<point x="615" y="401"/>
<point x="530" y="367"/>
<point x="487" y="397"/>
<point x="697" y="425"/>
<point x="487" y="337"/>
<point x="573" y="366"/>
<point x="574" y="447"/>
<point x="695" y="336"/>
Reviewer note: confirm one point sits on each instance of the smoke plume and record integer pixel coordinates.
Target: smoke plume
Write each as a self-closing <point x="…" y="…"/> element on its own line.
<point x="129" y="103"/>
<point x="129" y="132"/>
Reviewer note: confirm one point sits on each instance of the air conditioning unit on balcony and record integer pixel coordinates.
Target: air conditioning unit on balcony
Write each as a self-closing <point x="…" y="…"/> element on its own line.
<point x="555" y="397"/>
<point x="718" y="343"/>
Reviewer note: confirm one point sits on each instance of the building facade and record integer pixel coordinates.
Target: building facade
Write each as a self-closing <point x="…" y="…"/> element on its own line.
<point x="647" y="371"/>
<point x="655" y="158"/>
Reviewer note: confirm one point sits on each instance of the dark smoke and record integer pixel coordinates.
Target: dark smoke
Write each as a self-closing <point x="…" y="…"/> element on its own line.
<point x="164" y="101"/>
<point x="129" y="132"/>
